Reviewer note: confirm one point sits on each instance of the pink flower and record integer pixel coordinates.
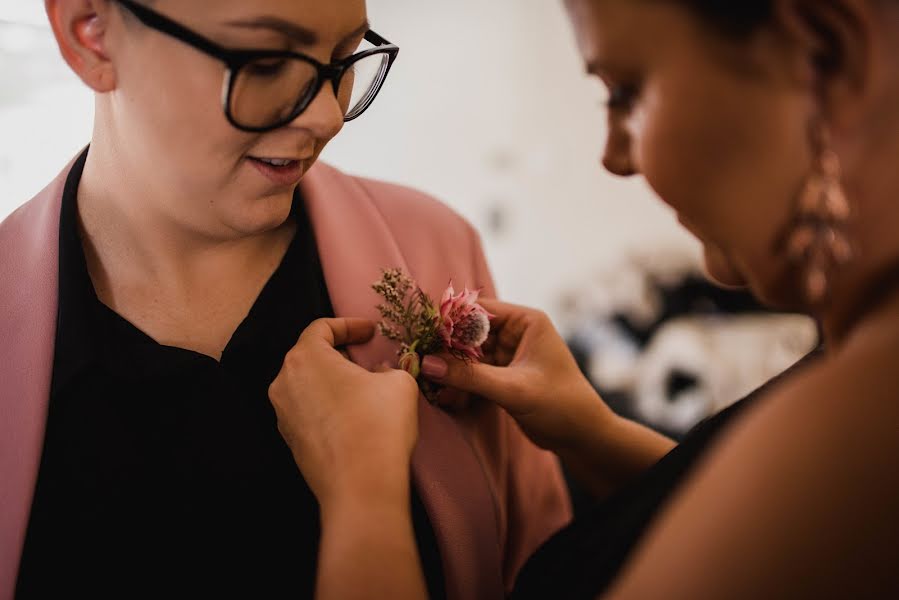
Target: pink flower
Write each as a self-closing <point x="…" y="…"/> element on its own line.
<point x="464" y="324"/>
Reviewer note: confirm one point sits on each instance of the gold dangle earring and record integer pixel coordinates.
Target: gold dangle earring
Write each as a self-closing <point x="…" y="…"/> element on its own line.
<point x="818" y="241"/>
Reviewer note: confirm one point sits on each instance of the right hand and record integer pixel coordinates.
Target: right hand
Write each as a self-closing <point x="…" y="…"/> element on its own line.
<point x="529" y="371"/>
<point x="351" y="432"/>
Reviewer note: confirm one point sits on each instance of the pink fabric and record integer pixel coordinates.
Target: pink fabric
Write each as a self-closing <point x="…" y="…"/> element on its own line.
<point x="29" y="241"/>
<point x="491" y="495"/>
<point x="529" y="494"/>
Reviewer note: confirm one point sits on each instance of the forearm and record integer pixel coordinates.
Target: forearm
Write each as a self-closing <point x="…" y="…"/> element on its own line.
<point x="368" y="550"/>
<point x="612" y="451"/>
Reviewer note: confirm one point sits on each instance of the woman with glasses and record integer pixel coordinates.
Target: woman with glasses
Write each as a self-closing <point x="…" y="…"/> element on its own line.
<point x="772" y="128"/>
<point x="151" y="294"/>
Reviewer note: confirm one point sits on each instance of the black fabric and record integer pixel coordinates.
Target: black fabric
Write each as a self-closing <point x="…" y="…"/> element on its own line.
<point x="583" y="559"/>
<point x="163" y="472"/>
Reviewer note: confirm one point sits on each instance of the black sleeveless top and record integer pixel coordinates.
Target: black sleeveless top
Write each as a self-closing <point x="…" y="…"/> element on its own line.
<point x="583" y="559"/>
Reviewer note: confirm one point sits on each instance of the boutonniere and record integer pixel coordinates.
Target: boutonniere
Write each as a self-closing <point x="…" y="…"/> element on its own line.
<point x="457" y="325"/>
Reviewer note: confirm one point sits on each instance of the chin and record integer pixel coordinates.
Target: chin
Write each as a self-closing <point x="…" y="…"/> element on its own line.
<point x="782" y="292"/>
<point x="721" y="271"/>
<point x="260" y="215"/>
<point x="776" y="289"/>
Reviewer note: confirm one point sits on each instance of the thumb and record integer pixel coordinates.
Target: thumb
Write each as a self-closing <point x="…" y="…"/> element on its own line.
<point x="476" y="378"/>
<point x="339" y="332"/>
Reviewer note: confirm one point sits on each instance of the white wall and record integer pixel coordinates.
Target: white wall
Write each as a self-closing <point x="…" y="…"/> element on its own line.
<point x="487" y="108"/>
<point x="45" y="113"/>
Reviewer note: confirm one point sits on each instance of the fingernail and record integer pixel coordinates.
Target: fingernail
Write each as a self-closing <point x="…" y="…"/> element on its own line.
<point x="434" y="367"/>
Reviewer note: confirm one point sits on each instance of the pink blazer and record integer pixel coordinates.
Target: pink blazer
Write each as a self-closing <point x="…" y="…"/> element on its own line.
<point x="491" y="495"/>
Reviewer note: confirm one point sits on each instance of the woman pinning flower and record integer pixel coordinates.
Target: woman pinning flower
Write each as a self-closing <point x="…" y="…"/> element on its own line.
<point x="771" y="127"/>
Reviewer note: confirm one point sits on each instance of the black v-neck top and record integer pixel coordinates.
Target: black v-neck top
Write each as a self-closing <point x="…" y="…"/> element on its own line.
<point x="163" y="472"/>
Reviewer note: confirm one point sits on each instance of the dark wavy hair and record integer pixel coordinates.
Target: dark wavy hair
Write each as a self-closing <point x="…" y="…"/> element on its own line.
<point x="732" y="17"/>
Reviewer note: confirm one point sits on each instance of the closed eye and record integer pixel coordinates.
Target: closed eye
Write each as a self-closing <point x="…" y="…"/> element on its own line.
<point x="622" y="97"/>
<point x="267" y="68"/>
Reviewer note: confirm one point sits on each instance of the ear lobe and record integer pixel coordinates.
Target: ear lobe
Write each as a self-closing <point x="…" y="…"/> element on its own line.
<point x="80" y="31"/>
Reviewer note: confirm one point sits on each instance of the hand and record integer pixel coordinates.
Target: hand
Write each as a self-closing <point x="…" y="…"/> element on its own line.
<point x="351" y="431"/>
<point x="529" y="371"/>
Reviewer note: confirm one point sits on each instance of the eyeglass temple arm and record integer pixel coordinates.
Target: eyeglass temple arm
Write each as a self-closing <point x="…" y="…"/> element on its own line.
<point x="159" y="22"/>
<point x="374" y="38"/>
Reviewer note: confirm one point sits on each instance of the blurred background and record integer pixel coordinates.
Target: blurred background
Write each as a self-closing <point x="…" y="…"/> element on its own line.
<point x="488" y="109"/>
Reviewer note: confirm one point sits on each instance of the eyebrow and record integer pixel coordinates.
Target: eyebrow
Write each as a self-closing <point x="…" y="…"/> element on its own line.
<point x="298" y="33"/>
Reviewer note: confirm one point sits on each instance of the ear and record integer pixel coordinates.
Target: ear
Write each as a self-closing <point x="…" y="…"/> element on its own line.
<point x="80" y="28"/>
<point x="833" y="42"/>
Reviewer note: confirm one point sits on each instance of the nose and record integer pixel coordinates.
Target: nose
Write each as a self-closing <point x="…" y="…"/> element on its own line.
<point x="323" y="118"/>
<point x="617" y="156"/>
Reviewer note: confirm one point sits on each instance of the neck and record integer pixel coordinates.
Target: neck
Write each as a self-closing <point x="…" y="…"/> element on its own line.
<point x="865" y="303"/>
<point x="125" y="230"/>
<point x="870" y="283"/>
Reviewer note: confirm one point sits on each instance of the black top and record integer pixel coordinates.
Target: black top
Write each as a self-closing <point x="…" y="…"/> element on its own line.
<point x="163" y="471"/>
<point x="582" y="560"/>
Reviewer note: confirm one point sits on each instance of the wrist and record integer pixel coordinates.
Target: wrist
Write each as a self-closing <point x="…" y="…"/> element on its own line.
<point x="347" y="507"/>
<point x="374" y="488"/>
<point x="593" y="422"/>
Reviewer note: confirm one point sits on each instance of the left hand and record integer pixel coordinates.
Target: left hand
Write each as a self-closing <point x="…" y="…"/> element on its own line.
<point x="529" y="371"/>
<point x="351" y="431"/>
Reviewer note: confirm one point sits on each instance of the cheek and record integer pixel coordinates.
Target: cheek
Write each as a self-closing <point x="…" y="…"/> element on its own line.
<point x="727" y="155"/>
<point x="694" y="152"/>
<point x="179" y="111"/>
<point x="730" y="157"/>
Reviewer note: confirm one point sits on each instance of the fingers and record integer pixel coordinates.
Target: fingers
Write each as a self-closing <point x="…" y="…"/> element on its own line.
<point x="500" y="310"/>
<point x="476" y="378"/>
<point x="503" y="311"/>
<point x="339" y="332"/>
<point x="403" y="380"/>
<point x="510" y="321"/>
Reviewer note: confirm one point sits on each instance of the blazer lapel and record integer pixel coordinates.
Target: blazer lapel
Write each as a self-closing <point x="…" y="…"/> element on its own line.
<point x="355" y="243"/>
<point x="29" y="247"/>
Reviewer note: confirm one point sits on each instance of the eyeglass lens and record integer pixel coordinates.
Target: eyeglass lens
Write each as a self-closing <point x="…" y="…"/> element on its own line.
<point x="270" y="91"/>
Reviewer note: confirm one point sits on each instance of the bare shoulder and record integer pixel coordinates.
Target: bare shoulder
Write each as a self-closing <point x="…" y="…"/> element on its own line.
<point x="799" y="499"/>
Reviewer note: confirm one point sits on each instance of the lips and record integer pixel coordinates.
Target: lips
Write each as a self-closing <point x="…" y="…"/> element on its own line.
<point x="280" y="171"/>
<point x="276" y="162"/>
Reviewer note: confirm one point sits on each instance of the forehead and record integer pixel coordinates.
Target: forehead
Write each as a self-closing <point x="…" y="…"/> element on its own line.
<point x="604" y="27"/>
<point x="330" y="20"/>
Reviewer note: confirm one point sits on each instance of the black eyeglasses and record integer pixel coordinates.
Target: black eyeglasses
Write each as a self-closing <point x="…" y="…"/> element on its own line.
<point x="267" y="89"/>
